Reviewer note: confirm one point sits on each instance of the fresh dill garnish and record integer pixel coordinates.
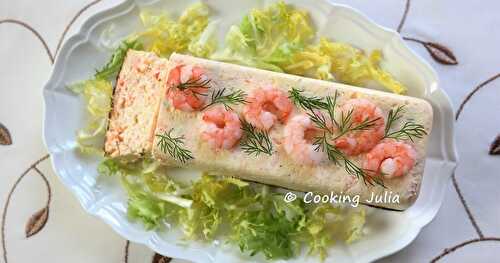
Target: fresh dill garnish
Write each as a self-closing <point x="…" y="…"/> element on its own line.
<point x="116" y="61"/>
<point x="409" y="130"/>
<point x="392" y="117"/>
<point x="255" y="141"/>
<point x="195" y="83"/>
<point x="328" y="104"/>
<point x="336" y="156"/>
<point x="233" y="98"/>
<point x="333" y="129"/>
<point x="174" y="146"/>
<point x="346" y="124"/>
<point x="305" y="102"/>
<point x="331" y="103"/>
<point x="321" y="143"/>
<point x="368" y="179"/>
<point x="197" y="86"/>
<point x="319" y="119"/>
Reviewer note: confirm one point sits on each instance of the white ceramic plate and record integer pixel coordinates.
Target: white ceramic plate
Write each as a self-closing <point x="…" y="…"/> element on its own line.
<point x="386" y="231"/>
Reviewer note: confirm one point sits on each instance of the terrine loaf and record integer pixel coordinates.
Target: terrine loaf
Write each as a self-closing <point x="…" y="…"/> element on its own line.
<point x="136" y="101"/>
<point x="293" y="132"/>
<point x="273" y="128"/>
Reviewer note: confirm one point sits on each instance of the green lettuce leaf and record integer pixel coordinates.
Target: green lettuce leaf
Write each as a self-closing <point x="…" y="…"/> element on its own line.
<point x="191" y="33"/>
<point x="280" y="38"/>
<point x="97" y="94"/>
<point x="267" y="38"/>
<point x="111" y="69"/>
<point x="342" y="62"/>
<point x="249" y="215"/>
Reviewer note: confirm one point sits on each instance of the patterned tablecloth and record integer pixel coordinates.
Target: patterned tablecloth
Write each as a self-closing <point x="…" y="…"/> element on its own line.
<point x="42" y="221"/>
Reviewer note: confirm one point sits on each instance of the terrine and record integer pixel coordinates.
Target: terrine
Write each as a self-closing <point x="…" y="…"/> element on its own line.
<point x="290" y="163"/>
<point x="136" y="101"/>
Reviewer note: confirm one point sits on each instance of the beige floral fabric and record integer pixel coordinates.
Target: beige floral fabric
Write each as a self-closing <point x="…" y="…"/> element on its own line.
<point x="42" y="221"/>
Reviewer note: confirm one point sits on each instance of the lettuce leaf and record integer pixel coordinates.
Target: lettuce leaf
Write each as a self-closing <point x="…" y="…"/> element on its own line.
<point x="97" y="94"/>
<point x="110" y="70"/>
<point x="205" y="44"/>
<point x="317" y="231"/>
<point x="341" y="62"/>
<point x="267" y="37"/>
<point x="147" y="209"/>
<point x="270" y="28"/>
<point x="353" y="225"/>
<point x="350" y="65"/>
<point x="191" y="33"/>
<point x="269" y="226"/>
<point x="153" y="197"/>
<point x="280" y="38"/>
<point x="249" y="215"/>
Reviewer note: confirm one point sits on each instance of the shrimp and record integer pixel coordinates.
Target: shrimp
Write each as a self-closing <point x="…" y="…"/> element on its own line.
<point x="222" y="129"/>
<point x="266" y="106"/>
<point x="299" y="133"/>
<point x="190" y="98"/>
<point x="390" y="158"/>
<point x="356" y="142"/>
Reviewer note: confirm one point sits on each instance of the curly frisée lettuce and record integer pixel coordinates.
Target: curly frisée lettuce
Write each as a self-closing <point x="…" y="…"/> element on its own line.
<point x="114" y="64"/>
<point x="153" y="198"/>
<point x="347" y="64"/>
<point x="191" y="33"/>
<point x="97" y="94"/>
<point x="250" y="216"/>
<point x="280" y="38"/>
<point x="267" y="38"/>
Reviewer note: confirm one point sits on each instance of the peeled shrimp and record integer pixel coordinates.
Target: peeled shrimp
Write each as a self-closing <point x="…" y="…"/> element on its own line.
<point x="188" y="99"/>
<point x="390" y="158"/>
<point x="356" y="142"/>
<point x="299" y="133"/>
<point x="221" y="128"/>
<point x="266" y="106"/>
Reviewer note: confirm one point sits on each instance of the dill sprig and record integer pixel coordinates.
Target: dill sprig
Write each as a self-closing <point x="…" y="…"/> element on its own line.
<point x="392" y="117"/>
<point x="116" y="61"/>
<point x="346" y="125"/>
<point x="255" y="141"/>
<point x="174" y="146"/>
<point x="319" y="120"/>
<point x="305" y="102"/>
<point x="331" y="103"/>
<point x="195" y="83"/>
<point x="233" y="98"/>
<point x="366" y="175"/>
<point x="321" y="143"/>
<point x="315" y="106"/>
<point x="409" y="130"/>
<point x="336" y="156"/>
